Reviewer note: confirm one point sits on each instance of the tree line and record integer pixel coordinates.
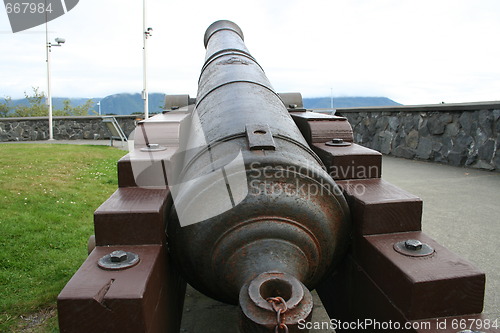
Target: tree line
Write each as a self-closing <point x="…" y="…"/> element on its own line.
<point x="38" y="108"/>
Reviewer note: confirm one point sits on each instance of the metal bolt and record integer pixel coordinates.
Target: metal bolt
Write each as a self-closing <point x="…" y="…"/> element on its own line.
<point x="337" y="140"/>
<point x="292" y="106"/>
<point x="118" y="256"/>
<point x="413" y="244"/>
<point x="152" y="147"/>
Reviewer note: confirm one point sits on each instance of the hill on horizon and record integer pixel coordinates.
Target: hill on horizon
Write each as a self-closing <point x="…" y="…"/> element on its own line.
<point x="347" y="102"/>
<point x="127" y="103"/>
<point x="116" y="104"/>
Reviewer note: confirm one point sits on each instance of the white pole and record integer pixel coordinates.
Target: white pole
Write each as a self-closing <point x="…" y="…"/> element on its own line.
<point x="144" y="38"/>
<point x="331" y="98"/>
<point x="49" y="96"/>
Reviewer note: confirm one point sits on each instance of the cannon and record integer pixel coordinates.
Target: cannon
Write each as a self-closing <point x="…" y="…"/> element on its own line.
<point x="254" y="200"/>
<point x="255" y="214"/>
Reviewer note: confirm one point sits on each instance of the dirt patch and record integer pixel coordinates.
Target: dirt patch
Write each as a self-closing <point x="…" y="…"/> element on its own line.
<point x="32" y="322"/>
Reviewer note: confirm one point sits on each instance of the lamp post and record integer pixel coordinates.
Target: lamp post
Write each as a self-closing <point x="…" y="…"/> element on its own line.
<point x="99" y="107"/>
<point x="331" y="98"/>
<point x="59" y="42"/>
<point x="146" y="33"/>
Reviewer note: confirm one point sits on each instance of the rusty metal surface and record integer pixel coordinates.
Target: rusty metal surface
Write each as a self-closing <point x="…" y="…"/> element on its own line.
<point x="118" y="260"/>
<point x="274" y="302"/>
<point x="413" y="248"/>
<point x="260" y="137"/>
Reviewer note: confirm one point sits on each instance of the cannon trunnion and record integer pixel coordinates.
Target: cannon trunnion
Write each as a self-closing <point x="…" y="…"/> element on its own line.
<point x="254" y="200"/>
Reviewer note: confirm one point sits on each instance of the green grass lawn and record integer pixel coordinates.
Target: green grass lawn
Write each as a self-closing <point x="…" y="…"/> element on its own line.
<point x="48" y="194"/>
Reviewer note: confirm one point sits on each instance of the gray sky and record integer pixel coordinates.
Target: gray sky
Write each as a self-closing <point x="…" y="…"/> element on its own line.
<point x="413" y="51"/>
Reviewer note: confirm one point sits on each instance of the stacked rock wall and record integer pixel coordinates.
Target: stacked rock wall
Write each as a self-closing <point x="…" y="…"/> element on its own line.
<point x="455" y="134"/>
<point x="65" y="128"/>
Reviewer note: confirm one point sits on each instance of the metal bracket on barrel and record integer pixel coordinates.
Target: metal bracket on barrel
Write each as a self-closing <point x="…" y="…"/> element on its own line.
<point x="260" y="137"/>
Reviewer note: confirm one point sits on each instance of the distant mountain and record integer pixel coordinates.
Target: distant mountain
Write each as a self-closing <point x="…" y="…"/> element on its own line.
<point x="117" y="104"/>
<point x="131" y="103"/>
<point x="347" y="102"/>
<point x="57" y="102"/>
<point x="124" y="104"/>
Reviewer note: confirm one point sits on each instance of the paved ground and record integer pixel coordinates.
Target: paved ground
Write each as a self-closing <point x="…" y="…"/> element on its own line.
<point x="461" y="211"/>
<point x="118" y="144"/>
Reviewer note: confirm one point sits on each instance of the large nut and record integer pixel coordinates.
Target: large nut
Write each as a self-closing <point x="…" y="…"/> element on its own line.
<point x="413" y="244"/>
<point x="118" y="256"/>
<point x="118" y="260"/>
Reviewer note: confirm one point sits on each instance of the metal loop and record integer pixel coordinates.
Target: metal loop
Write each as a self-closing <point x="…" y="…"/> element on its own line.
<point x="279" y="305"/>
<point x="275" y="301"/>
<point x="281" y="327"/>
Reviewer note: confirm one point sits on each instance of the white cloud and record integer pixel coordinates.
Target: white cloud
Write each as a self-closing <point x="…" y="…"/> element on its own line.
<point x="412" y="51"/>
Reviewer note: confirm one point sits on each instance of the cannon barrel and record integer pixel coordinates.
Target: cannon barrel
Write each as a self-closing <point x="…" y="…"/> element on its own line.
<point x="255" y="214"/>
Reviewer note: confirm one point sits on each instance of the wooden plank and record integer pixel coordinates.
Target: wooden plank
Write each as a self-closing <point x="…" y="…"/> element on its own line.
<point x="145" y="169"/>
<point x="320" y="128"/>
<point x="132" y="216"/>
<point x="129" y="300"/>
<point x="441" y="284"/>
<point x="351" y="296"/>
<point x="379" y="207"/>
<point x="125" y="173"/>
<point x="349" y="162"/>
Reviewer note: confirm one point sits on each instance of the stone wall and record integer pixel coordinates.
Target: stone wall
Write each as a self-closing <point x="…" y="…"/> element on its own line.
<point x="456" y="134"/>
<point x="65" y="128"/>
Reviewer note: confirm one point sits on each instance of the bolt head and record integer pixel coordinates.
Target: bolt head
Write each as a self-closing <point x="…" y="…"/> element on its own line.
<point x="413" y="244"/>
<point x="338" y="140"/>
<point x="118" y="256"/>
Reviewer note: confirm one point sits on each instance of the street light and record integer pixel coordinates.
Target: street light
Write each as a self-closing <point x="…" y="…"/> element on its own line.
<point x="146" y="33"/>
<point x="59" y="42"/>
